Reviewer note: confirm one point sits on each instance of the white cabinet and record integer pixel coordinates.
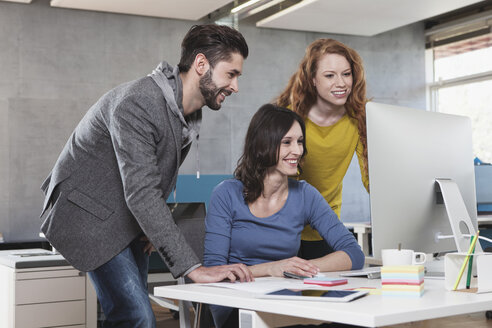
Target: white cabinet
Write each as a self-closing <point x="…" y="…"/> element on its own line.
<point x="37" y="295"/>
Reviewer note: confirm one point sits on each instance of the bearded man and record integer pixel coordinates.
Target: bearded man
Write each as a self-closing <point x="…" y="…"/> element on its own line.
<point x="107" y="192"/>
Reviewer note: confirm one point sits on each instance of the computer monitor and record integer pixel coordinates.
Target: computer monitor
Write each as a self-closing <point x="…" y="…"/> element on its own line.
<point x="408" y="150"/>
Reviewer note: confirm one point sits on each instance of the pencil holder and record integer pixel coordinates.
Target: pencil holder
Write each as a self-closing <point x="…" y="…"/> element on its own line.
<point x="482" y="268"/>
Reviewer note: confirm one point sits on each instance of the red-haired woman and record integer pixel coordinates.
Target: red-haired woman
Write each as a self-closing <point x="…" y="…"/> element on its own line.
<point x="329" y="92"/>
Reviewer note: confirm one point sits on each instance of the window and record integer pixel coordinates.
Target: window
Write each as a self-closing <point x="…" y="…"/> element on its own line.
<point x="461" y="84"/>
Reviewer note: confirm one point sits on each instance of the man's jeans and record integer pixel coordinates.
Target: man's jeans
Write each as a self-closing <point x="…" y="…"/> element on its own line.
<point x="121" y="287"/>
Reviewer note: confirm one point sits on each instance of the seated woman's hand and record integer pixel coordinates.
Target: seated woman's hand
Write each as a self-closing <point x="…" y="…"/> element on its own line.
<point x="232" y="272"/>
<point x="293" y="265"/>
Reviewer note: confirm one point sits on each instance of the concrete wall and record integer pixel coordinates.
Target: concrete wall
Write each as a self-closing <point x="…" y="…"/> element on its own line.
<point x="54" y="63"/>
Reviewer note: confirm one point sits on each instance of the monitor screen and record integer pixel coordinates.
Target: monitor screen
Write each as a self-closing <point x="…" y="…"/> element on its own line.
<point x="407" y="150"/>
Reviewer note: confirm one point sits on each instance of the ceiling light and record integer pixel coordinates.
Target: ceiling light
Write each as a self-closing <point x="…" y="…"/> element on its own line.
<point x="244" y="5"/>
<point x="263" y="7"/>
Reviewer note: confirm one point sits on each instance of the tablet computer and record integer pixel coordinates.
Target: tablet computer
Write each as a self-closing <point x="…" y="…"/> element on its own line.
<point x="325" y="295"/>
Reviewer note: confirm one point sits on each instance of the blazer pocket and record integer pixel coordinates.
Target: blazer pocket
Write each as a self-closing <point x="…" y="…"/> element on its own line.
<point x="88" y="204"/>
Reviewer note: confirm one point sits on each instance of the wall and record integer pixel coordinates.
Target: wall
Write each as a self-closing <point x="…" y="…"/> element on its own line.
<point x="54" y="63"/>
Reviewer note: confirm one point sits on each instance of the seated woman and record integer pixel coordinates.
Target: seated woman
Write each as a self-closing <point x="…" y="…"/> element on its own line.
<point x="257" y="218"/>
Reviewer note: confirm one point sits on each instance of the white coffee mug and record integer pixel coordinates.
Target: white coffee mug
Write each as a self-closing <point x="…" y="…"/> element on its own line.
<point x="402" y="257"/>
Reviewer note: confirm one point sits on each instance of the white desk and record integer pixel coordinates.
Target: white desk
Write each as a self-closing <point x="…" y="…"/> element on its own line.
<point x="369" y="311"/>
<point x="362" y="231"/>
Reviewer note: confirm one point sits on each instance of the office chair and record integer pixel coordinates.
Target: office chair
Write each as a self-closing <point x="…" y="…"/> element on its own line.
<point x="190" y="218"/>
<point x="188" y="205"/>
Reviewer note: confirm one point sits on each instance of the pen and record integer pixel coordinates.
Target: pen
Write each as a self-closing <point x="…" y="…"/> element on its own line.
<point x="467" y="257"/>
<point x="470" y="268"/>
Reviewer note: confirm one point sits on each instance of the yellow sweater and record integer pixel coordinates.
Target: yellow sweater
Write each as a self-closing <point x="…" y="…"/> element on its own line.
<point x="330" y="151"/>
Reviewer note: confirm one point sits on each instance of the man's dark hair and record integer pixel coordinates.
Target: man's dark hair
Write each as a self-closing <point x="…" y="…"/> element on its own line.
<point x="216" y="42"/>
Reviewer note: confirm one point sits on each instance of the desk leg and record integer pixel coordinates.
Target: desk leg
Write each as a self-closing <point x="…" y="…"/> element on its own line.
<point x="253" y="319"/>
<point x="184" y="314"/>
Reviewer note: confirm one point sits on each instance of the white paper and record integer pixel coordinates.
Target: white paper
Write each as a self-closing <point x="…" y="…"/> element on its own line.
<point x="261" y="285"/>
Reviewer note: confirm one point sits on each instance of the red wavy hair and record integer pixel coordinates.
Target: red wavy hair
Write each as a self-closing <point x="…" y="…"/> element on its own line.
<point x="300" y="94"/>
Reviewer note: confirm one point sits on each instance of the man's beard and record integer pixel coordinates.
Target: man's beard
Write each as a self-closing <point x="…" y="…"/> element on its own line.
<point x="210" y="91"/>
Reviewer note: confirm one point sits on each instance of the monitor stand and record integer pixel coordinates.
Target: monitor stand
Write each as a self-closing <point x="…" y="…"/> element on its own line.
<point x="448" y="193"/>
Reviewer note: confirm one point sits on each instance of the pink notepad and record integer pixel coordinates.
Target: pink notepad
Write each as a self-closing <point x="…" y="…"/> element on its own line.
<point x="325" y="281"/>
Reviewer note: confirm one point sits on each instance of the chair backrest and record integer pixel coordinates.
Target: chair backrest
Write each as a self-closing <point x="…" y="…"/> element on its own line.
<point x="190" y="218"/>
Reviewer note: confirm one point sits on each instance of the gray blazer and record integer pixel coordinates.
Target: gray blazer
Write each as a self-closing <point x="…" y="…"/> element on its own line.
<point x="112" y="178"/>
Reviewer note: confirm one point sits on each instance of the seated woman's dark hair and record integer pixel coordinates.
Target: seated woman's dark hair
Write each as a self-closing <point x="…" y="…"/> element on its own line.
<point x="261" y="147"/>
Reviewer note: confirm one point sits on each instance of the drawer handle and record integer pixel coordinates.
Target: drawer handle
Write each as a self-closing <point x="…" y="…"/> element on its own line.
<point x="82" y="274"/>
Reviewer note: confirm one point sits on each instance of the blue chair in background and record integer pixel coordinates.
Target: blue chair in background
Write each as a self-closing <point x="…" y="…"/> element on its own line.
<point x="189" y="189"/>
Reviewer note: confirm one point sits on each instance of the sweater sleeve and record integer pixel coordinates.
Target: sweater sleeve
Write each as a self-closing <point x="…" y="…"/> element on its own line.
<point x="218" y="224"/>
<point x="323" y="219"/>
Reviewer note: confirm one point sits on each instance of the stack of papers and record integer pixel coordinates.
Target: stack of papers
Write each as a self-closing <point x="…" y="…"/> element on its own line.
<point x="403" y="280"/>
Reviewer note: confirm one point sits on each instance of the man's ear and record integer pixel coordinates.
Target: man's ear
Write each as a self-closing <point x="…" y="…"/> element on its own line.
<point x="201" y="64"/>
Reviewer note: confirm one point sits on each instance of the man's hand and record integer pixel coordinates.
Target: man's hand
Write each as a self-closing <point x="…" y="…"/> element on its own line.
<point x="148" y="248"/>
<point x="232" y="272"/>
